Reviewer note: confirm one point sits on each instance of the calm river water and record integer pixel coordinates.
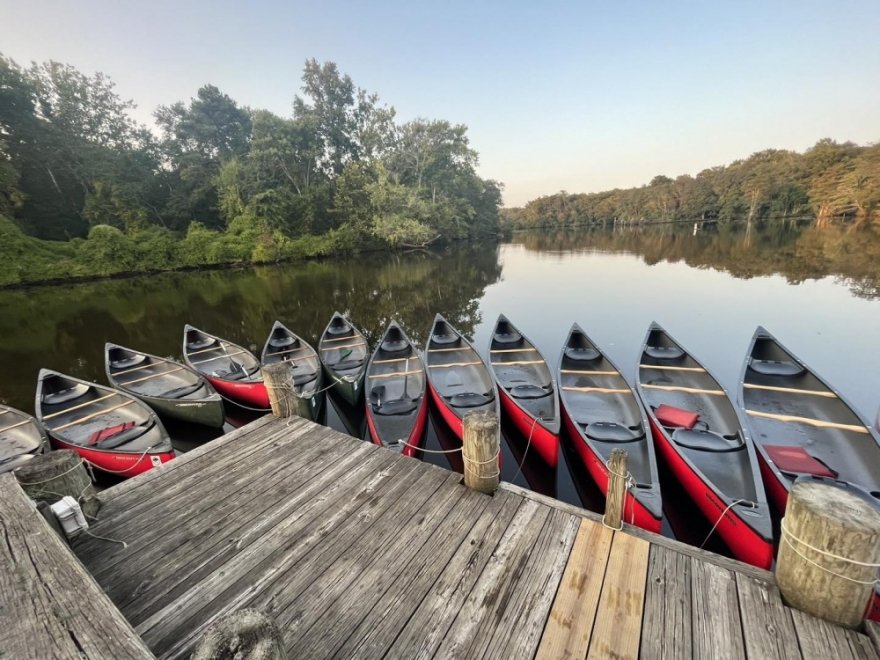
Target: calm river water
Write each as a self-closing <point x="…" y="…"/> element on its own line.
<point x="817" y="290"/>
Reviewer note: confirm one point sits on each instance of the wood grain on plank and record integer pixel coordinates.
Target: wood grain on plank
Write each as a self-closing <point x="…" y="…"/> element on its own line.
<point x="618" y="628"/>
<point x="568" y="630"/>
<point x="767" y="625"/>
<point x="50" y="607"/>
<point x="667" y="620"/>
<point x="819" y="640"/>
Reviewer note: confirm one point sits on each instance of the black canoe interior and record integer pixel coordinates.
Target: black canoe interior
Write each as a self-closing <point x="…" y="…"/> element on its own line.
<point x="395" y="385"/>
<point x="853" y="455"/>
<point x="20" y="438"/>
<point x="74" y="411"/>
<point x="523" y="373"/>
<point x="285" y="346"/>
<point x="608" y="420"/>
<point x="145" y="375"/>
<point x="219" y="358"/>
<point x="343" y="348"/>
<point x="457" y="372"/>
<point x="716" y="445"/>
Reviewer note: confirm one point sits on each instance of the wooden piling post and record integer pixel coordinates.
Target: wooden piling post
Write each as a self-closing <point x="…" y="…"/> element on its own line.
<point x="615" y="497"/>
<point x="55" y="474"/>
<point x="480" y="451"/>
<point x="247" y="634"/>
<point x="829" y="551"/>
<point x="279" y="385"/>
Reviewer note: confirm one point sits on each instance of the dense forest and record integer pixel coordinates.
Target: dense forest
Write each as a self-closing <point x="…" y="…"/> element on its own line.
<point x="86" y="190"/>
<point x="829" y="180"/>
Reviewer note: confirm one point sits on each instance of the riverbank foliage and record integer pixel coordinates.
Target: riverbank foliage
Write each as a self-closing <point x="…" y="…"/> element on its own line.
<point x="829" y="180"/>
<point x="87" y="191"/>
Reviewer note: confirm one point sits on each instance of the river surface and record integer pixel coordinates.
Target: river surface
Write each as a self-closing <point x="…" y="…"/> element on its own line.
<point x="817" y="290"/>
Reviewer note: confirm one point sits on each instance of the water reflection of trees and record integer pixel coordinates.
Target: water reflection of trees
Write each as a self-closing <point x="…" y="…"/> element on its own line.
<point x="847" y="252"/>
<point x="65" y="327"/>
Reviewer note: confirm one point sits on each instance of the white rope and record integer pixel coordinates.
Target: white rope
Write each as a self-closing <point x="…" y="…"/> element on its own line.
<point x="429" y="451"/>
<point x="128" y="469"/>
<point x="724" y="513"/>
<point x="526" y="452"/>
<point x="241" y="405"/>
<point x="105" y="538"/>
<point x="57" y="476"/>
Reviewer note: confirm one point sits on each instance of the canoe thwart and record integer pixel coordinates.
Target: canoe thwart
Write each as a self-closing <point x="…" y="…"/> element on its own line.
<point x="820" y="423"/>
<point x="220" y="357"/>
<point x="791" y="390"/>
<point x="517" y="363"/>
<point x="587" y="372"/>
<point x="661" y="367"/>
<point x="599" y="390"/>
<point x="455" y="364"/>
<point x="93" y="415"/>
<point x="680" y="388"/>
<point x="151" y="376"/>
<point x="80" y="405"/>
<point x="397" y="373"/>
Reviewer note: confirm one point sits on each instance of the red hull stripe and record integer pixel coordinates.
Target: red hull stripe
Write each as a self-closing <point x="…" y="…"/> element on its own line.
<point x="544" y="442"/>
<point x="123" y="464"/>
<point x="253" y="394"/>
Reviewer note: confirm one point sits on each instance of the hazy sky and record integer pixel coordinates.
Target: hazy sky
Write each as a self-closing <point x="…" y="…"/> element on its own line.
<point x="580" y="96"/>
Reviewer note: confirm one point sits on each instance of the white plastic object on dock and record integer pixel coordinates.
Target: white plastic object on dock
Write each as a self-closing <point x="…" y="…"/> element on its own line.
<point x="70" y="516"/>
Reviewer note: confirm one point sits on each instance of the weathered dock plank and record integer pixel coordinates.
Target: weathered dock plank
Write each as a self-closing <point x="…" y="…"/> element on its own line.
<point x="667" y="623"/>
<point x="819" y="640"/>
<point x="617" y="632"/>
<point x="717" y="625"/>
<point x="767" y="625"/>
<point x="570" y="624"/>
<point x="50" y="607"/>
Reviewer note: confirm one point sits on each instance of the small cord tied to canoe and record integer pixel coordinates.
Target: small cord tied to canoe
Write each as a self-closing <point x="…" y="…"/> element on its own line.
<point x="788" y="537"/>
<point x="429" y="451"/>
<point x="752" y="505"/>
<point x="629" y="481"/>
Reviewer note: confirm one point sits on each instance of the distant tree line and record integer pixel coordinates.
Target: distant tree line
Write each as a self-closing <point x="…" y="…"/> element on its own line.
<point x="220" y="183"/>
<point x="828" y="180"/>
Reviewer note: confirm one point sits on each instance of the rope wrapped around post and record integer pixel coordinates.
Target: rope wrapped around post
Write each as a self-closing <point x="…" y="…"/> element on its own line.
<point x="480" y="450"/>
<point x="283" y="397"/>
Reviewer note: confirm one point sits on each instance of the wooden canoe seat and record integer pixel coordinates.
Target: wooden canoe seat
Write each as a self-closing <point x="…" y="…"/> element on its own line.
<point x="776" y="368"/>
<point x="664" y="352"/>
<point x="582" y="354"/>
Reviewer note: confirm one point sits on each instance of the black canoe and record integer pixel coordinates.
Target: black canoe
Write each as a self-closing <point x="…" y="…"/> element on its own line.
<point x="395" y="382"/>
<point x="21" y="438"/>
<point x="526" y="389"/>
<point x="344" y="353"/>
<point x="231" y="369"/>
<point x="459" y="380"/>
<point x="702" y="437"/>
<point x="601" y="412"/>
<point x="110" y="429"/>
<point x="283" y="345"/>
<point x="801" y="425"/>
<point x="171" y="389"/>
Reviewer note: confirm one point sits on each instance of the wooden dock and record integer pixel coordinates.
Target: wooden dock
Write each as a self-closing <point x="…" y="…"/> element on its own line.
<point x="356" y="551"/>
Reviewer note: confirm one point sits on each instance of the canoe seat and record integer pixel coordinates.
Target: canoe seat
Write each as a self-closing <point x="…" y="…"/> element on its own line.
<point x="444" y="340"/>
<point x="180" y="392"/>
<point x="470" y="399"/>
<point x="775" y="368"/>
<point x="304" y="377"/>
<point x="664" y="352"/>
<point x="394" y="345"/>
<point x="235" y="371"/>
<point x="507" y="337"/>
<point x="124" y="363"/>
<point x="706" y="440"/>
<point x="63" y="396"/>
<point x="582" y="354"/>
<point x="346" y="364"/>
<point x="198" y="344"/>
<point x="123" y="437"/>
<point x="613" y="432"/>
<point x="283" y="342"/>
<point x="530" y="391"/>
<point x="395" y="407"/>
<point x="338" y="326"/>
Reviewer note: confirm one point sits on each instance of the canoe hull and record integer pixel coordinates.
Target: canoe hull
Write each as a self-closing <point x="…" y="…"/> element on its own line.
<point x="634" y="511"/>
<point x="252" y="394"/>
<point x="124" y="464"/>
<point x="745" y="543"/>
<point x="414" y="441"/>
<point x="207" y="412"/>
<point x="545" y="442"/>
<point x="453" y="421"/>
<point x="351" y="391"/>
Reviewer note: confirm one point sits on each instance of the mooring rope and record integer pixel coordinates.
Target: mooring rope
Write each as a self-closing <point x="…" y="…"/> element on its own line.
<point x="787" y="536"/>
<point x="751" y="504"/>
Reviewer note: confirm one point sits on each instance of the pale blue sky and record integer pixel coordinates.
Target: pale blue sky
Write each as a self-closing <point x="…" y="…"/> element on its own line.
<point x="576" y="96"/>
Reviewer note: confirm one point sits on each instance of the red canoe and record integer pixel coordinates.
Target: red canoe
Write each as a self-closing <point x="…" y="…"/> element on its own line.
<point x="458" y="379"/>
<point x="232" y="370"/>
<point x="601" y="413"/>
<point x="525" y="385"/>
<point x="701" y="435"/>
<point x="110" y="429"/>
